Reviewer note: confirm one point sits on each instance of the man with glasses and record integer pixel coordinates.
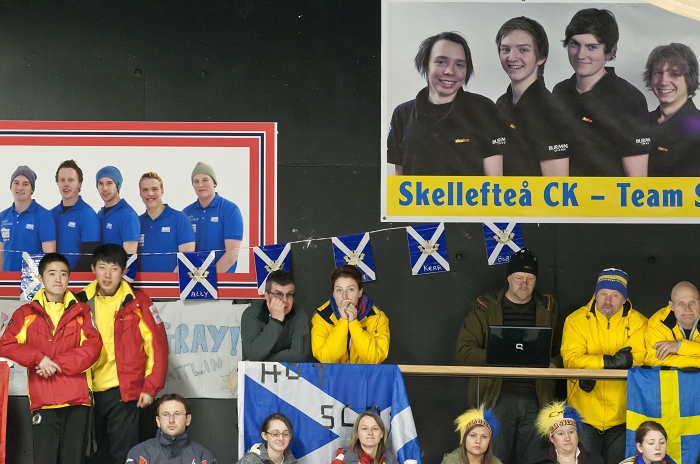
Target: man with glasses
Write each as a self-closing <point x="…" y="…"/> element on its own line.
<point x="275" y="329"/>
<point x="171" y="443"/>
<point x="516" y="402"/>
<point x="672" y="337"/>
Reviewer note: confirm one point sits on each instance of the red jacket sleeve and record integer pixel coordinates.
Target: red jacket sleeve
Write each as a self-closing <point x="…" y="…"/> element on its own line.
<point x="10" y="346"/>
<point x="81" y="358"/>
<point x="154" y="380"/>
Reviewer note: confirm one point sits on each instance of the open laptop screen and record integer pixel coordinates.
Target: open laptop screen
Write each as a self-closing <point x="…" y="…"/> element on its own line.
<point x="519" y="346"/>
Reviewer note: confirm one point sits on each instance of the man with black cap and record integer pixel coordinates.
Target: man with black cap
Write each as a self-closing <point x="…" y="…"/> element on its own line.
<point x="26" y="225"/>
<point x="118" y="220"/>
<point x="516" y="402"/>
<point x="217" y="222"/>
<point x="607" y="333"/>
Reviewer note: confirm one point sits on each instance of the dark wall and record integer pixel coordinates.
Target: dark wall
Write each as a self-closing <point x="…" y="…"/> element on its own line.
<point x="314" y="67"/>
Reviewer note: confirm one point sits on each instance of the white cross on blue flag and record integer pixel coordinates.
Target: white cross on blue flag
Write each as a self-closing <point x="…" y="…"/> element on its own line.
<point x="30" y="275"/>
<point x="271" y="258"/>
<point x="355" y="250"/>
<point x="502" y="240"/>
<point x="323" y="401"/>
<point x="427" y="248"/>
<point x="197" y="275"/>
<point x="131" y="266"/>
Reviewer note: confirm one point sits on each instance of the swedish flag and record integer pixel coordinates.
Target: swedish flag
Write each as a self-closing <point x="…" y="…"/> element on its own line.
<point x="672" y="398"/>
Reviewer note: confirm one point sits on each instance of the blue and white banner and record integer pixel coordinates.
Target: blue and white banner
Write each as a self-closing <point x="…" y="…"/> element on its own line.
<point x="204" y="348"/>
<point x="355" y="250"/>
<point x="197" y="275"/>
<point x="502" y="240"/>
<point x="131" y="266"/>
<point x="322" y="401"/>
<point x="30" y="275"/>
<point x="427" y="248"/>
<point x="271" y="258"/>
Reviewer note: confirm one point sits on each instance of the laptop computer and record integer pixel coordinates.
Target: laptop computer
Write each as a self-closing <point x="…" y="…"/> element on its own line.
<point x="519" y="346"/>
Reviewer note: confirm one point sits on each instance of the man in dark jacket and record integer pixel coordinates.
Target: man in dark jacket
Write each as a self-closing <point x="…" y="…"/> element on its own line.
<point x="275" y="329"/>
<point x="516" y="402"/>
<point x="171" y="443"/>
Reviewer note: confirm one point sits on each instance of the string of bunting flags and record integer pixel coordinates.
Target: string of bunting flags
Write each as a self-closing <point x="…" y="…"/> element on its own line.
<point x="427" y="249"/>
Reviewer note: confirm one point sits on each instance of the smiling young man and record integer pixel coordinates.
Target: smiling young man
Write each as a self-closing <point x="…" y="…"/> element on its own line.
<point x="275" y="329"/>
<point x="609" y="115"/>
<point x="133" y="362"/>
<point x="446" y="130"/>
<point x="672" y="337"/>
<point x="515" y="402"/>
<point x="119" y="222"/>
<point x="164" y="230"/>
<point x="171" y="444"/>
<point x="217" y="222"/>
<point x="538" y="141"/>
<point x="672" y="74"/>
<point x="53" y="336"/>
<point x="607" y="333"/>
<point x="26" y="225"/>
<point x="77" y="226"/>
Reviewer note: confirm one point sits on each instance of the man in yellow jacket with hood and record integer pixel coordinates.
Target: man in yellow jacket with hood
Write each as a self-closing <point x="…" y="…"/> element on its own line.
<point x="607" y="333"/>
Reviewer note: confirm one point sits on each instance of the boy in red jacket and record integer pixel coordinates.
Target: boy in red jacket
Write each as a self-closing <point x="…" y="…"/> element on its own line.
<point x="55" y="338"/>
<point x="133" y="363"/>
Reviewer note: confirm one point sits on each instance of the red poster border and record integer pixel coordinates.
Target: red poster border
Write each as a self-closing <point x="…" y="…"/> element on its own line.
<point x="260" y="138"/>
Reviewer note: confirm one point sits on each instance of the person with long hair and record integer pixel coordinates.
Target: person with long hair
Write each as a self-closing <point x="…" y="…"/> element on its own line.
<point x="477" y="428"/>
<point x="348" y="328"/>
<point x="651" y="440"/>
<point x="367" y="442"/>
<point x="277" y="433"/>
<point x="445" y="130"/>
<point x="560" y="423"/>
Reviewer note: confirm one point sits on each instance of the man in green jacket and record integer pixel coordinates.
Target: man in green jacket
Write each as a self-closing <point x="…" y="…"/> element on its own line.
<point x="516" y="402"/>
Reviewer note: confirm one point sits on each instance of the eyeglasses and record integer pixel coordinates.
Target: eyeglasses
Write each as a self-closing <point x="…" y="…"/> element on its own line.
<point x="520" y="280"/>
<point x="277" y="433"/>
<point x="281" y="296"/>
<point x="692" y="304"/>
<point x="177" y="415"/>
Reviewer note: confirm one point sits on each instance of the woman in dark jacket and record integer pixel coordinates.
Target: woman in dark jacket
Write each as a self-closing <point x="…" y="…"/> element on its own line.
<point x="560" y="423"/>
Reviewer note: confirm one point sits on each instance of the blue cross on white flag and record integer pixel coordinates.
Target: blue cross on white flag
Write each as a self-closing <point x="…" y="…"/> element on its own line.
<point x="197" y="275"/>
<point x="30" y="275"/>
<point x="502" y="240"/>
<point x="323" y="401"/>
<point x="427" y="248"/>
<point x="131" y="266"/>
<point x="271" y="258"/>
<point x="355" y="250"/>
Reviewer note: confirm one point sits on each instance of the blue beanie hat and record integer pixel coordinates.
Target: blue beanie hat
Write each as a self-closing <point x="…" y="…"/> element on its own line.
<point x="613" y="279"/>
<point x="111" y="172"/>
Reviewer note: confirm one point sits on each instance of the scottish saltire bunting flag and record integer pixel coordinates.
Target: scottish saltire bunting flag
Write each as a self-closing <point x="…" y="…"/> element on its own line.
<point x="197" y="274"/>
<point x="323" y="401"/>
<point x="355" y="250"/>
<point x="30" y="275"/>
<point x="502" y="240"/>
<point x="271" y="258"/>
<point x="427" y="248"/>
<point x="672" y="398"/>
<point x="131" y="266"/>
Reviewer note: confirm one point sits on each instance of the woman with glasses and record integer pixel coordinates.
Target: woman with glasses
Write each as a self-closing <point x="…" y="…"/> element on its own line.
<point x="348" y="328"/>
<point x="276" y="432"/>
<point x="477" y="428"/>
<point x="560" y="423"/>
<point x="367" y="442"/>
<point x="651" y="439"/>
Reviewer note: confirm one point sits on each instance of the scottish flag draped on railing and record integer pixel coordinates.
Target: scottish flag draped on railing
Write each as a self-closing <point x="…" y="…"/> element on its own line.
<point x="672" y="398"/>
<point x="322" y="401"/>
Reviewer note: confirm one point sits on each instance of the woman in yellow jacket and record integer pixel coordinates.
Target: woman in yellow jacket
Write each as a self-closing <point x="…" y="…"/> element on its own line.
<point x="348" y="328"/>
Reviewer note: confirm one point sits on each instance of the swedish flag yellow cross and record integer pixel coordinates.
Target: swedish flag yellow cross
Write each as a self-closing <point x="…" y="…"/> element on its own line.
<point x="669" y="393"/>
